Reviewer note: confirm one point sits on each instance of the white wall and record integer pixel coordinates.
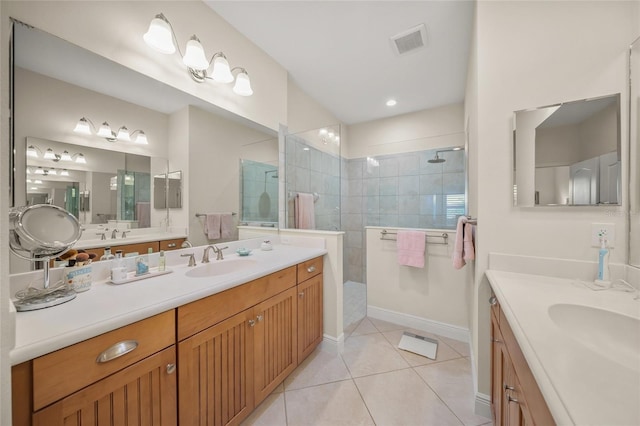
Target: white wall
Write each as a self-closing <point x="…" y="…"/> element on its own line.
<point x="304" y="113"/>
<point x="436" y="293"/>
<point x="114" y="30"/>
<point x="531" y="54"/>
<point x="427" y="129"/>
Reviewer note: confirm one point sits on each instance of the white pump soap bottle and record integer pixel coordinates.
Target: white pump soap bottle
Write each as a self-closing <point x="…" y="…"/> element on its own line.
<point x="604" y="277"/>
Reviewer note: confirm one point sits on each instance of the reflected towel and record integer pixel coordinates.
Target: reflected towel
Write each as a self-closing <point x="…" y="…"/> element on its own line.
<point x="226" y="225"/>
<point x="143" y="214"/>
<point x="469" y="250"/>
<point x="212" y="226"/>
<point x="304" y="211"/>
<point x="411" y="247"/>
<point x="458" y="248"/>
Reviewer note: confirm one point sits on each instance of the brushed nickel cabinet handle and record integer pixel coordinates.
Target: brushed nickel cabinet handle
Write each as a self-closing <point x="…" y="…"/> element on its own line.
<point x="507" y="387"/>
<point x="301" y="294"/>
<point x="117" y="350"/>
<point x="493" y="301"/>
<point x="311" y="269"/>
<point x="260" y="318"/>
<point x="509" y="399"/>
<point x="171" y="368"/>
<point x="496" y="341"/>
<point x="252" y="323"/>
<point x="171" y="245"/>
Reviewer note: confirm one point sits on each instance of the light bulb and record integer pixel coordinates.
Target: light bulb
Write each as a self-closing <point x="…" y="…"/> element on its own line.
<point x="194" y="55"/>
<point x="49" y="154"/>
<point x="159" y="36"/>
<point x="123" y="134"/>
<point x="65" y="156"/>
<point x="221" y="71"/>
<point x="83" y="127"/>
<point x="31" y="151"/>
<point x="243" y="84"/>
<point x="52" y="172"/>
<point x="105" y="131"/>
<point x="80" y="159"/>
<point x="142" y="138"/>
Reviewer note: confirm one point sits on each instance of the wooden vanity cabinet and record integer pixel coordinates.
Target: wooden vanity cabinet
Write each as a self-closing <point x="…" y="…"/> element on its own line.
<point x="140" y="248"/>
<point x="515" y="396"/>
<point x="310" y="306"/>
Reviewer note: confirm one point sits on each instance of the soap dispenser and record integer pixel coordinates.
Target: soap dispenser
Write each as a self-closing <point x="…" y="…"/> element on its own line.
<point x="603" y="263"/>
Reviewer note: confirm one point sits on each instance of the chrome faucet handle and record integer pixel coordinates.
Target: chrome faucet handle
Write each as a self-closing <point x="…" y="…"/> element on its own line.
<point x="102" y="235"/>
<point x="218" y="252"/>
<point x="124" y="234"/>
<point x="114" y="234"/>
<point x="192" y="258"/>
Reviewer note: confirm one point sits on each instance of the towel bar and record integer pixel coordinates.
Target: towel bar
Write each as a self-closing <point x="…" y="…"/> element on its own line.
<point x="445" y="237"/>
<point x="203" y="215"/>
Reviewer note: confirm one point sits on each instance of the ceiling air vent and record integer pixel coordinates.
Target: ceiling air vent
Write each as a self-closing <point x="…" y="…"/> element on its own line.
<point x="410" y="40"/>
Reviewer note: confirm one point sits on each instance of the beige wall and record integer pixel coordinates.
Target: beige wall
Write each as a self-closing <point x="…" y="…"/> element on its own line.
<point x="427" y="129"/>
<point x="114" y="30"/>
<point x="304" y="113"/>
<point x="521" y="64"/>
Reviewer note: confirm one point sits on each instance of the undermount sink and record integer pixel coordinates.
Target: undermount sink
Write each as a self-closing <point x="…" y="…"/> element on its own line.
<point x="220" y="267"/>
<point x="610" y="334"/>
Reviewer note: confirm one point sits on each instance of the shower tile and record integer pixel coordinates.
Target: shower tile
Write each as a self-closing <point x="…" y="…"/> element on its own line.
<point x="354" y="205"/>
<point x="408" y="204"/>
<point x="388" y="220"/>
<point x="316" y="183"/>
<point x="431" y="205"/>
<point x="355" y="257"/>
<point x="409" y="221"/>
<point x="371" y="168"/>
<point x="408" y="185"/>
<point x="315" y="160"/>
<point x="302" y="156"/>
<point x="355" y="187"/>
<point x="354" y="222"/>
<point x="389" y="186"/>
<point x="388" y="167"/>
<point x="302" y="179"/>
<point x="373" y="220"/>
<point x="426" y="221"/>
<point x="430" y="184"/>
<point x="409" y="164"/>
<point x="453" y="183"/>
<point x="427" y="168"/>
<point x="389" y="204"/>
<point x="455" y="161"/>
<point x="355" y="239"/>
<point x="331" y="184"/>
<point x="330" y="164"/>
<point x="372" y="205"/>
<point x="371" y="186"/>
<point x="355" y="168"/>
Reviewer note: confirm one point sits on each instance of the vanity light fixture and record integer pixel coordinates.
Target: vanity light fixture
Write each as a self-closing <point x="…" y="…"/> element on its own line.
<point x="86" y="127"/>
<point x="161" y="37"/>
<point x="49" y="154"/>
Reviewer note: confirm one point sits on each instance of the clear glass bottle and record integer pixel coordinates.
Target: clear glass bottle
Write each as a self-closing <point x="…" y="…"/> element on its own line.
<point x="107" y="254"/>
<point x="118" y="267"/>
<point x="162" y="262"/>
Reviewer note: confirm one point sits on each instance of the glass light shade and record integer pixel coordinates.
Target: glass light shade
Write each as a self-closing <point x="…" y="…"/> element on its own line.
<point x="159" y="36"/>
<point x="29" y="181"/>
<point x="243" y="85"/>
<point x="194" y="55"/>
<point x="142" y="138"/>
<point x="37" y="181"/>
<point x="34" y="188"/>
<point x="83" y="127"/>
<point x="49" y="154"/>
<point x="221" y="71"/>
<point x="53" y="172"/>
<point x="123" y="134"/>
<point x="65" y="156"/>
<point x="31" y="151"/>
<point x="105" y="131"/>
<point x="80" y="159"/>
<point x="28" y="171"/>
<point x="64" y="172"/>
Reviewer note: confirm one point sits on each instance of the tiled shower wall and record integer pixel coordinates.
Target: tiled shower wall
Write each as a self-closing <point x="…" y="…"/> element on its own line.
<point x="313" y="171"/>
<point x="259" y="179"/>
<point x="399" y="190"/>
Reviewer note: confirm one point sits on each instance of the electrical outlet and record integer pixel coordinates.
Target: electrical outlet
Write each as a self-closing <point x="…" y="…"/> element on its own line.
<point x="285" y="241"/>
<point x="604" y="230"/>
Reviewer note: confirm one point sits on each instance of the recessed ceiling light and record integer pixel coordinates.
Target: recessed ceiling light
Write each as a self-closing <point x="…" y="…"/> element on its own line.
<point x="391" y="102"/>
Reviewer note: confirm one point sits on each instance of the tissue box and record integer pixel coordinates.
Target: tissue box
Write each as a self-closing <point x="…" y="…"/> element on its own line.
<point x="78" y="277"/>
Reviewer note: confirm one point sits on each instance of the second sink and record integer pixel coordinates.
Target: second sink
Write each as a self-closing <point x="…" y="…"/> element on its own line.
<point x="223" y="267"/>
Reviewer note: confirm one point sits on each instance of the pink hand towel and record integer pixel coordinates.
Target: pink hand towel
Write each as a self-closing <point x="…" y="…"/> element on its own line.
<point x="304" y="211"/>
<point x="468" y="242"/>
<point x="458" y="248"/>
<point x="212" y="226"/>
<point x="411" y="247"/>
<point x="226" y="225"/>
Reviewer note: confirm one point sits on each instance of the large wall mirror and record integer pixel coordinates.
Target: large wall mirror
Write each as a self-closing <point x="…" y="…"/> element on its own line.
<point x="634" y="148"/>
<point x="568" y="154"/>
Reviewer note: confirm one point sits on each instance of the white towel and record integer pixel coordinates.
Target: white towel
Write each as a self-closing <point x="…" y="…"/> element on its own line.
<point x="212" y="226"/>
<point x="226" y="225"/>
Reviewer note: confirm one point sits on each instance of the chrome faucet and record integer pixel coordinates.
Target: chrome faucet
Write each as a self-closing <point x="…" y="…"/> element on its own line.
<point x="102" y="235"/>
<point x="114" y="234"/>
<point x="216" y="250"/>
<point x="124" y="234"/>
<point x="186" y="244"/>
<point x="192" y="258"/>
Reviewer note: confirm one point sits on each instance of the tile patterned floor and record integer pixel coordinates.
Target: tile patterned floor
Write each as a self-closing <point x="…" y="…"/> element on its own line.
<point x="354" y="301"/>
<point x="375" y="383"/>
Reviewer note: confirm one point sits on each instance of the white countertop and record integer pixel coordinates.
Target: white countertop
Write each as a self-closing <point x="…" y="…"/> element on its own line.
<point x="106" y="307"/>
<point x="585" y="379"/>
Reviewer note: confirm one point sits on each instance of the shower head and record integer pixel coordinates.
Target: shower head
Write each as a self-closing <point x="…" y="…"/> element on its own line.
<point x="275" y="174"/>
<point x="436" y="159"/>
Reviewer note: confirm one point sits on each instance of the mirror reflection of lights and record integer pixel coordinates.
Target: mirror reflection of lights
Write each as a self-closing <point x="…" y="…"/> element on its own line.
<point x="86" y="127"/>
<point x="327" y="135"/>
<point x="49" y="154"/>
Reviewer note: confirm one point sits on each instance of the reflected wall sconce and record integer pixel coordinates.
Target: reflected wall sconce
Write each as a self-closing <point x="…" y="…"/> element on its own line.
<point x="328" y="135"/>
<point x="86" y="127"/>
<point x="32" y="151"/>
<point x="161" y="37"/>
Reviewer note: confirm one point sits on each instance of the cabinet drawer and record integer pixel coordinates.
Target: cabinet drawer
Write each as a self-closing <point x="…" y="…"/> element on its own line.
<point x="203" y="313"/>
<point x="63" y="372"/>
<point x="140" y="248"/>
<point x="309" y="269"/>
<point x="175" y="244"/>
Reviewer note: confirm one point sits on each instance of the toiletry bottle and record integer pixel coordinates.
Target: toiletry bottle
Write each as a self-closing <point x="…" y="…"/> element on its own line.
<point x="107" y="254"/>
<point x="162" y="262"/>
<point x="118" y="267"/>
<point x="603" y="262"/>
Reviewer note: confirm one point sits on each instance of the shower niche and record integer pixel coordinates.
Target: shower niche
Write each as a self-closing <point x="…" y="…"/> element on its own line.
<point x="258" y="193"/>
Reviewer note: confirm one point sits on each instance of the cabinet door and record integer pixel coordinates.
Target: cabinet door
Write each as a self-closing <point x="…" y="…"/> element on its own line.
<point x="216" y="376"/>
<point x="310" y="327"/>
<point x="497" y="361"/>
<point x="141" y="394"/>
<point x="275" y="342"/>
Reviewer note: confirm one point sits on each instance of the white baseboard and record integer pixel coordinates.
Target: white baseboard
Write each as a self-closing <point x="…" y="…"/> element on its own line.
<point x="447" y="330"/>
<point x="483" y="405"/>
<point x="331" y="344"/>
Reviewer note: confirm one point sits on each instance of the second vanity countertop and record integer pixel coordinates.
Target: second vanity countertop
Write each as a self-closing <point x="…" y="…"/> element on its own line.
<point x="143" y="237"/>
<point x="106" y="307"/>
<point x="583" y="346"/>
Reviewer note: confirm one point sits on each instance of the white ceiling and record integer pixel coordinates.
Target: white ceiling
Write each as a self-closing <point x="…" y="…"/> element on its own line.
<point x="340" y="53"/>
